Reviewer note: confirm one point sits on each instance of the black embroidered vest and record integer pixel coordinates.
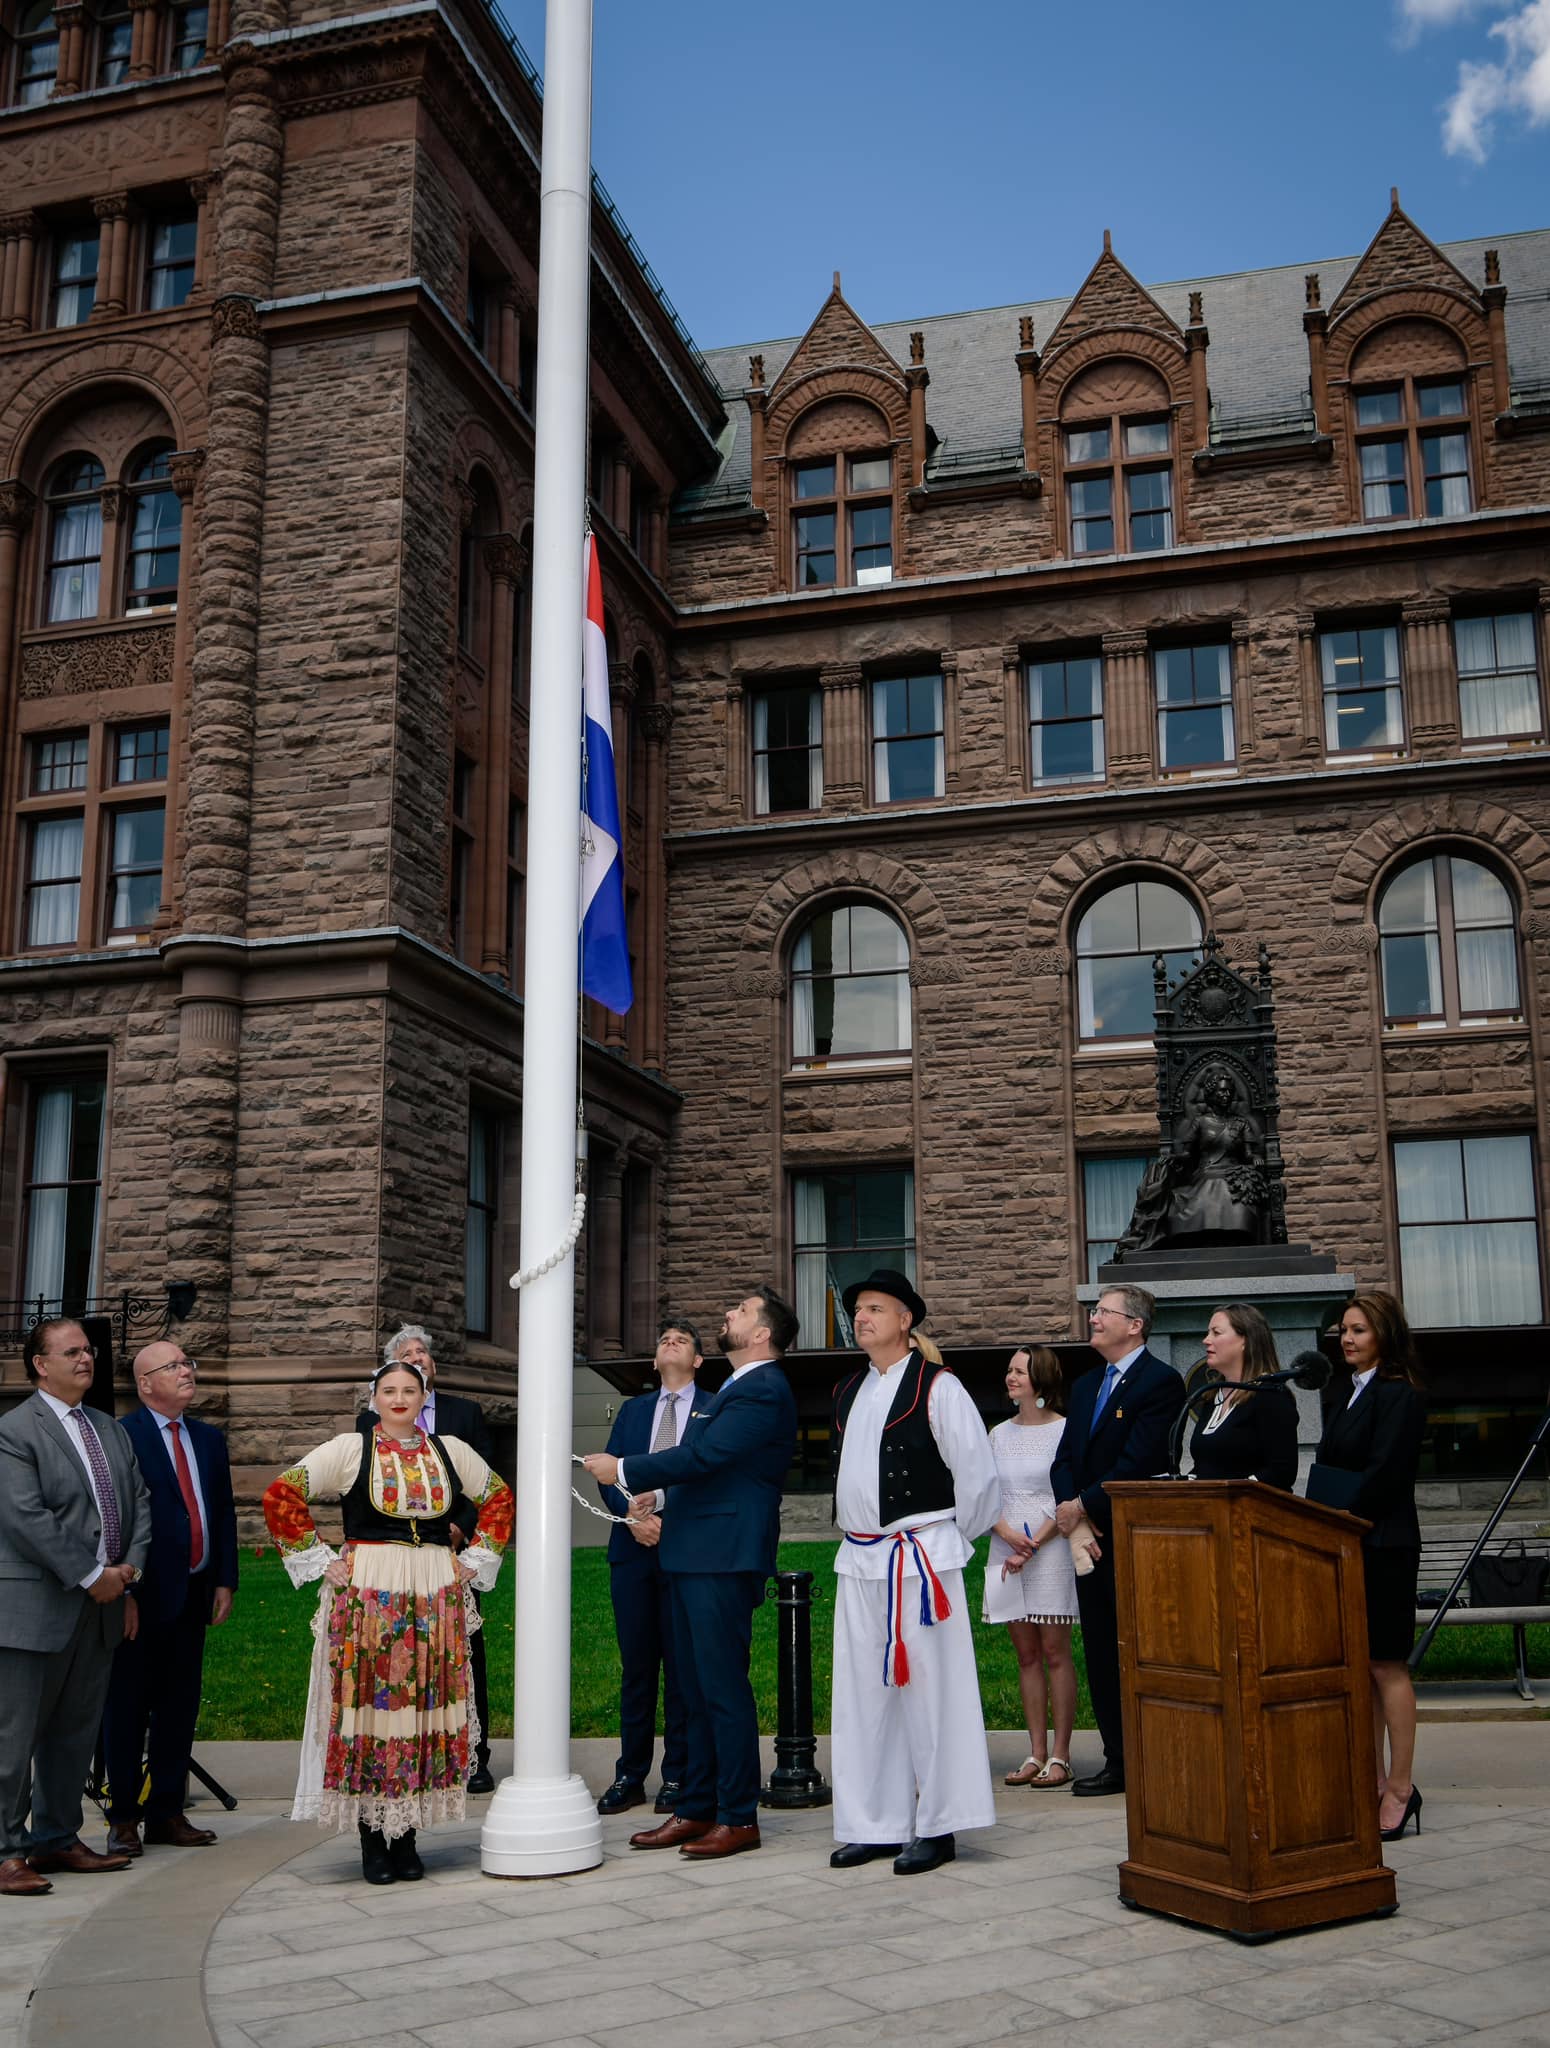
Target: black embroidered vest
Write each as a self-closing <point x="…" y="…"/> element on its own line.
<point x="364" y="1521"/>
<point x="913" y="1477"/>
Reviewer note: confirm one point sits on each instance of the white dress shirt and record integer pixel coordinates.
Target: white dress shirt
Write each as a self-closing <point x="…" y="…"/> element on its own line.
<point x="1359" y="1385"/>
<point x="946" y="1534"/>
<point x="164" y="1424"/>
<point x="685" y="1394"/>
<point x="63" y="1410"/>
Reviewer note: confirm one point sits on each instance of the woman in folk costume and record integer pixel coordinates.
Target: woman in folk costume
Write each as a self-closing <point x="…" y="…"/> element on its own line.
<point x="915" y="1483"/>
<point x="389" y="1735"/>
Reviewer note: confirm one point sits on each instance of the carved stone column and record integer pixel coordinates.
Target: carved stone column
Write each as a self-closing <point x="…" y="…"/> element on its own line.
<point x="231" y="532"/>
<point x="1315" y="325"/>
<point x="1197" y="339"/>
<point x="1494" y="299"/>
<point x="736" y="706"/>
<point x="844" y="737"/>
<point x="506" y="564"/>
<point x="657" y="725"/>
<point x="204" y="191"/>
<point x="1013" y="713"/>
<point x="1429" y="675"/>
<point x="70" y="20"/>
<point x="1028" y="385"/>
<point x="187" y="465"/>
<point x="508" y="353"/>
<point x="17" y="505"/>
<point x="204" y="1152"/>
<point x="10" y="247"/>
<point x="1128" y="706"/>
<point x="916" y="378"/>
<point x="144" y="35"/>
<point x="1310" y="686"/>
<point x="1245" y="724"/>
<point x="758" y="402"/>
<point x="619" y="510"/>
<point x="112" y="211"/>
<point x="219" y="32"/>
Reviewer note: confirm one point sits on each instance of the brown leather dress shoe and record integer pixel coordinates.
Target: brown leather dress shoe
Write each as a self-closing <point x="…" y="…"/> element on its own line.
<point x="18" y="1882"/>
<point x="672" y="1834"/>
<point x="178" y="1832"/>
<point x="77" y="1857"/>
<point x="724" y="1841"/>
<point x="124" y="1838"/>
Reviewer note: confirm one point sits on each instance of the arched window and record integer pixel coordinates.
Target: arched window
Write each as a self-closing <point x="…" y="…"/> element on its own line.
<point x="850" y="988"/>
<point x="1117" y="457"/>
<point x="155" y="533"/>
<point x="73" y="495"/>
<point x="472" y="580"/>
<point x="37" y="54"/>
<point x="190" y="35"/>
<point x="1120" y="933"/>
<point x="1410" y="406"/>
<point x="1449" y="943"/>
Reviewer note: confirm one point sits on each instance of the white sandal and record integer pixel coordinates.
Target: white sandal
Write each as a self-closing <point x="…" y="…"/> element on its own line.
<point x="1046" y="1780"/>
<point x="1029" y="1772"/>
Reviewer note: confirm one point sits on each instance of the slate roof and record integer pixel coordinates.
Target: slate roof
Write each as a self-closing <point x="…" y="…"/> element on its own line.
<point x="1258" y="360"/>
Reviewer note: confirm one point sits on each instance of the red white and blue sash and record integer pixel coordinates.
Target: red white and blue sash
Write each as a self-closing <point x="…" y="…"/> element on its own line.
<point x="934" y="1603"/>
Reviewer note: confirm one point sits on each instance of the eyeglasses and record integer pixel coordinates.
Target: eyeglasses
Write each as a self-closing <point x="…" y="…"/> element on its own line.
<point x="187" y="1365"/>
<point x="1094" y="1313"/>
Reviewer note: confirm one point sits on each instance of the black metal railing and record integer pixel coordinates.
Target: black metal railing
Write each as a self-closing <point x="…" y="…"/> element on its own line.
<point x="144" y="1315"/>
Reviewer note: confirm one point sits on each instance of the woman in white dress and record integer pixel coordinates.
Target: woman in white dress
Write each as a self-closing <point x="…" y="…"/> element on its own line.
<point x="1030" y="1583"/>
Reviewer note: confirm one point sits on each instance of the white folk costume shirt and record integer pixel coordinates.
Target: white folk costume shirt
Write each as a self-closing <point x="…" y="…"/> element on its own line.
<point x="946" y="1534"/>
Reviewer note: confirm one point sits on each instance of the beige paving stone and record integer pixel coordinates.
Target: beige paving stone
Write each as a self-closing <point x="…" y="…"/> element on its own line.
<point x="367" y="2019"/>
<point x="1481" y="1998"/>
<point x="649" y="2007"/>
<point x="328" y="1962"/>
<point x="1023" y="1971"/>
<point x="1376" y="2025"/>
<point x="1314" y="1987"/>
<point x="713" y="1926"/>
<point x="967" y="2023"/>
<point x="1143" y="1981"/>
<point x="276" y="2000"/>
<point x="737" y="2025"/>
<point x="548" y="1986"/>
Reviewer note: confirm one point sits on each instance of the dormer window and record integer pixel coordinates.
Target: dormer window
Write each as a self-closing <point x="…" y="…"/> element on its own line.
<point x="1412" y="449"/>
<point x="1116" y="451"/>
<point x="843" y="520"/>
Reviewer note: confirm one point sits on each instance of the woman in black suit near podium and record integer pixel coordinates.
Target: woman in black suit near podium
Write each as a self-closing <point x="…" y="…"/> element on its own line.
<point x="1245" y="1435"/>
<point x="1375" y="1435"/>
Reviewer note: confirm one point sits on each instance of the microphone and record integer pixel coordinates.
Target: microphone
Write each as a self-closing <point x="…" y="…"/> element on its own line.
<point x="1209" y="1384"/>
<point x="1309" y="1369"/>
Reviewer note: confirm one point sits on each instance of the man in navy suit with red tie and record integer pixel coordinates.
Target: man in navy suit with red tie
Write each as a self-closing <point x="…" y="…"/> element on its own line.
<point x="189" y="1581"/>
<point x="1117" y="1428"/>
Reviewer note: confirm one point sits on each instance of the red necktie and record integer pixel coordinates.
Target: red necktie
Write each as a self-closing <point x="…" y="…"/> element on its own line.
<point x="196" y="1534"/>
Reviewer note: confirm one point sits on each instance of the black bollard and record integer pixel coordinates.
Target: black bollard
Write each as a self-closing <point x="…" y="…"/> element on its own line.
<point x="796" y="1779"/>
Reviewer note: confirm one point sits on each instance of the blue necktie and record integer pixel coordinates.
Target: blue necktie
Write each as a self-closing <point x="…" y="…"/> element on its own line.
<point x="1104" y="1392"/>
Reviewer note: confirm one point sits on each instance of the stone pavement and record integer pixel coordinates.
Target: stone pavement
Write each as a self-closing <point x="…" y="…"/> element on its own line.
<point x="272" y="1941"/>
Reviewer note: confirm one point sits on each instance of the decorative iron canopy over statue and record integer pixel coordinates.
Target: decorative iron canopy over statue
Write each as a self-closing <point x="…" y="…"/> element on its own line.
<point x="1216" y="1185"/>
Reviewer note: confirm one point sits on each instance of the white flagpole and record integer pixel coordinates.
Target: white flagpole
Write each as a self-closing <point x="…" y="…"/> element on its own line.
<point x="542" y="1820"/>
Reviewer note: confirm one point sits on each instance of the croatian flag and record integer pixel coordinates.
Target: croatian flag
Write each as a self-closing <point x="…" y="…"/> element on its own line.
<point x="605" y="946"/>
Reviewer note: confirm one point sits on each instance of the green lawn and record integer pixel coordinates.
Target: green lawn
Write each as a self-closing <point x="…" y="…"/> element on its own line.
<point x="256" y="1667"/>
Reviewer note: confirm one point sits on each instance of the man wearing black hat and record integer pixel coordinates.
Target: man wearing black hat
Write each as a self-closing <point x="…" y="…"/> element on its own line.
<point x="915" y="1483"/>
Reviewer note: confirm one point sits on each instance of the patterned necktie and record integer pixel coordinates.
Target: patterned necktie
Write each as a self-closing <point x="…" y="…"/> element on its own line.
<point x="1102" y="1402"/>
<point x="667" y="1426"/>
<point x="196" y="1534"/>
<point x="96" y="1457"/>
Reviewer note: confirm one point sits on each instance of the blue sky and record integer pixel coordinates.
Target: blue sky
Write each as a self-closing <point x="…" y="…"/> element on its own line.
<point x="945" y="154"/>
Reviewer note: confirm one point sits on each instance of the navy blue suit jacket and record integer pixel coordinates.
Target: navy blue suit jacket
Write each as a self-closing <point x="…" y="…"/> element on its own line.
<point x="1130" y="1442"/>
<point x="163" y="1592"/>
<point x="725" y="1478"/>
<point x="630" y="1437"/>
<point x="458" y="1416"/>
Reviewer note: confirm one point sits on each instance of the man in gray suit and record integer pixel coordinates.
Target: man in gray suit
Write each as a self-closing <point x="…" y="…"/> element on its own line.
<point x="75" y="1530"/>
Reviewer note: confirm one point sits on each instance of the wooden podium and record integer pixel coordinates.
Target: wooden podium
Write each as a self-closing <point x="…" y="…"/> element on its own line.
<point x="1250" y="1777"/>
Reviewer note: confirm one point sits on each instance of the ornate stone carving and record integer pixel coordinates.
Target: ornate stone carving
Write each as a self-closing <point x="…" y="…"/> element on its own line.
<point x="1197" y="309"/>
<point x="765" y="981"/>
<point x="1119" y="644"/>
<point x="939" y="970"/>
<point x="1349" y="938"/>
<point x="111" y="206"/>
<point x="756" y="372"/>
<point x="1031" y="960"/>
<point x="18" y="224"/>
<point x="623" y="686"/>
<point x="840" y="676"/>
<point x="1025" y="331"/>
<point x="1535" y="924"/>
<point x="17" y="505"/>
<point x="1493" y="266"/>
<point x="203" y="189"/>
<point x="505" y="559"/>
<point x="1310" y="289"/>
<point x="131" y="659"/>
<point x="204" y="1023"/>
<point x="234" y="317"/>
<point x="918" y="345"/>
<point x="115" y="501"/>
<point x="656" y="722"/>
<point x="185" y="467"/>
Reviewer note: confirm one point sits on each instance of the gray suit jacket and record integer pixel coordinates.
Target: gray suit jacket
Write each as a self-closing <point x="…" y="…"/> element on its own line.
<point x="49" y="1525"/>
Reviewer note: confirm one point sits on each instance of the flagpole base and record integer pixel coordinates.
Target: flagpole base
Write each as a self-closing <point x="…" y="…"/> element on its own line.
<point x="541" y="1827"/>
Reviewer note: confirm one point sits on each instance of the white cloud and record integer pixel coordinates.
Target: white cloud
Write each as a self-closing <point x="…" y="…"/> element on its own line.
<point x="1516" y="81"/>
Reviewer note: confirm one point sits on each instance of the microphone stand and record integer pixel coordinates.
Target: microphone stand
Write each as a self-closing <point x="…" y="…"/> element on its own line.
<point x="1211" y="1385"/>
<point x="1424" y="1640"/>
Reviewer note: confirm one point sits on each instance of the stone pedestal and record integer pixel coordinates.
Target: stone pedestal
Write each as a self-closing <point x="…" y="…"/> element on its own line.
<point x="1297" y="1292"/>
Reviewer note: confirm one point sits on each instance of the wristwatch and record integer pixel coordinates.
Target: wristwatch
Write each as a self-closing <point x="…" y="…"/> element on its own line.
<point x="135" y="1574"/>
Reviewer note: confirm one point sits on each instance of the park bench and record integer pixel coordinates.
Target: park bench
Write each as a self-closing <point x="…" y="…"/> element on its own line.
<point x="1441" y="1559"/>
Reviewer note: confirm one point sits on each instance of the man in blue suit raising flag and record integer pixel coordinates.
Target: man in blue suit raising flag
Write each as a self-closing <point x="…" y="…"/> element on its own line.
<point x="605" y="943"/>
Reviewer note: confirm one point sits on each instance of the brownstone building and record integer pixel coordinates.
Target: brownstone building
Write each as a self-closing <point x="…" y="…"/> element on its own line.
<point x="958" y="669"/>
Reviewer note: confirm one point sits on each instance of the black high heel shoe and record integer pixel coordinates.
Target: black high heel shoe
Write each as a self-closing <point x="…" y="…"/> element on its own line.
<point x="1412" y="1811"/>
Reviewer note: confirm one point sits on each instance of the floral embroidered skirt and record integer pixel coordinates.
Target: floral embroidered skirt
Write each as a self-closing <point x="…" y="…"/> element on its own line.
<point x="390" y="1725"/>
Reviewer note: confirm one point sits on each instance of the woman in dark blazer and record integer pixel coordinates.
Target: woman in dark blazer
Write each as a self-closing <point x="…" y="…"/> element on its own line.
<point x="1376" y="1434"/>
<point x="1245" y="1435"/>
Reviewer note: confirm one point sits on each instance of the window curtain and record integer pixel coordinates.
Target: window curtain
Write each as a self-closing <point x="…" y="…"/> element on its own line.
<point x="72" y="592"/>
<point x="815" y="750"/>
<point x="1498" y="678"/>
<point x="812" y="1263"/>
<point x="53" y="913"/>
<point x="761" y="758"/>
<point x="48" y="1207"/>
<point x="1109" y="1196"/>
<point x="1468" y="1238"/>
<point x="804" y="1037"/>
